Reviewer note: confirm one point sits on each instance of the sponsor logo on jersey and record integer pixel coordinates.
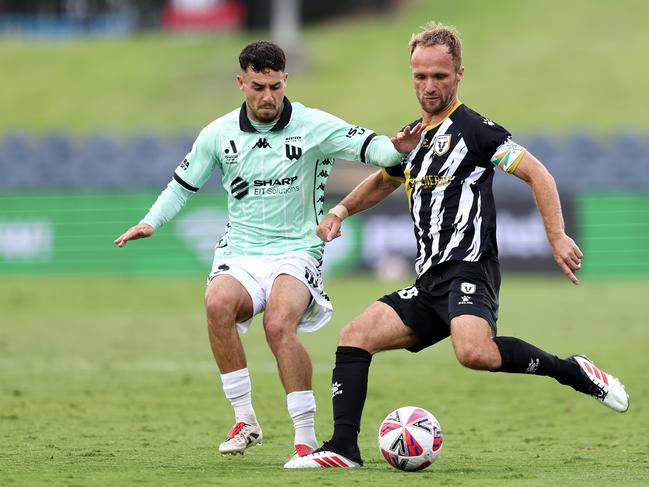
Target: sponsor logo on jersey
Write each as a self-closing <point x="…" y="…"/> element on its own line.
<point x="533" y="366"/>
<point x="275" y="186"/>
<point x="430" y="181"/>
<point x="465" y="300"/>
<point x="262" y="143"/>
<point x="275" y="182"/>
<point x="219" y="270"/>
<point x="231" y="155"/>
<point x="185" y="164"/>
<point x="441" y="144"/>
<point x="239" y="188"/>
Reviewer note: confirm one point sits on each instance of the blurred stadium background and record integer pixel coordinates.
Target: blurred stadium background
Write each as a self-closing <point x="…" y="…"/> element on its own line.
<point x="102" y="98"/>
<point x="105" y="374"/>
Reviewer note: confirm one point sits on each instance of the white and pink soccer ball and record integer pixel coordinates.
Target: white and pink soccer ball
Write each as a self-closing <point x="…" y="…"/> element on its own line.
<point x="410" y="438"/>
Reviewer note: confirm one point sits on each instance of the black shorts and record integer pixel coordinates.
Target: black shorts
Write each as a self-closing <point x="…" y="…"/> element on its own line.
<point x="445" y="291"/>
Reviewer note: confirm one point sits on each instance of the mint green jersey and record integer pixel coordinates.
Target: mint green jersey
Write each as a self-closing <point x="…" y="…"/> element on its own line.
<point x="276" y="179"/>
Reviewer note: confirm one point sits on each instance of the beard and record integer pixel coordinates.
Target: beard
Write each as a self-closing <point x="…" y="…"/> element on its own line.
<point x="434" y="108"/>
<point x="266" y="114"/>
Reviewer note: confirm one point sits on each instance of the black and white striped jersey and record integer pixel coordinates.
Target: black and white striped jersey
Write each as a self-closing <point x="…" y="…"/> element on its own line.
<point x="448" y="180"/>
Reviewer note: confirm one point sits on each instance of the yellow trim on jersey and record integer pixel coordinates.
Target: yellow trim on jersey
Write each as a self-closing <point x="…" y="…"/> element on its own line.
<point x="455" y="107"/>
<point x="409" y="187"/>
<point x="394" y="178"/>
<point x="515" y="164"/>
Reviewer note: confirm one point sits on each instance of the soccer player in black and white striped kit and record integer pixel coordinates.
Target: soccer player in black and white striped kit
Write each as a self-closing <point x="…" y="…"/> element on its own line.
<point x="448" y="182"/>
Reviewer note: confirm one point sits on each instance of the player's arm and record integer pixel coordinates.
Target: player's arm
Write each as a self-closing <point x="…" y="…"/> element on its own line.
<point x="388" y="152"/>
<point x="168" y="204"/>
<point x="188" y="178"/>
<point x="372" y="190"/>
<point x="566" y="252"/>
<point x="340" y="140"/>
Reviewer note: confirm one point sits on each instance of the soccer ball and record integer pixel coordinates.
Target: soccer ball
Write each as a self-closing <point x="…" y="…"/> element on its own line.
<point x="410" y="438"/>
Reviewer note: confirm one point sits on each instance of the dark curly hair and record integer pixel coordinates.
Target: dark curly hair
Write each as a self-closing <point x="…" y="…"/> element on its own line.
<point x="261" y="56"/>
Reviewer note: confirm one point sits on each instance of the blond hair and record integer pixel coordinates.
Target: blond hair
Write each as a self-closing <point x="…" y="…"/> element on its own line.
<point x="436" y="34"/>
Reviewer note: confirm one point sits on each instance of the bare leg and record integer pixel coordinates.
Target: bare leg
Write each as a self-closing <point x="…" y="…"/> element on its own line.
<point x="477" y="348"/>
<point x="473" y="342"/>
<point x="226" y="302"/>
<point x="288" y="301"/>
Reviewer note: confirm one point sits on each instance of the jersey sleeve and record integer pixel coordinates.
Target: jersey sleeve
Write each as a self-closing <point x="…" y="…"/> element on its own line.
<point x="381" y="152"/>
<point x="168" y="204"/>
<point x="494" y="143"/>
<point x="508" y="155"/>
<point x="395" y="173"/>
<point x="341" y="139"/>
<point x="197" y="166"/>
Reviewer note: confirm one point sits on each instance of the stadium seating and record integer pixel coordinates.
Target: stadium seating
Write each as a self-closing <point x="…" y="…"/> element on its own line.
<point x="578" y="162"/>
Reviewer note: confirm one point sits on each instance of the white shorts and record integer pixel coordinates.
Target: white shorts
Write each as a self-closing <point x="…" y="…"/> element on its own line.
<point x="257" y="274"/>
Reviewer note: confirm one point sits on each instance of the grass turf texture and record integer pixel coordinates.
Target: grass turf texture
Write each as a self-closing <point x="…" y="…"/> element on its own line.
<point x="552" y="65"/>
<point x="111" y="382"/>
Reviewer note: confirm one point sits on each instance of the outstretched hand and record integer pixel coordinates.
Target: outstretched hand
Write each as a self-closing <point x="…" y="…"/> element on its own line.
<point x="143" y="230"/>
<point x="329" y="228"/>
<point x="406" y="140"/>
<point x="568" y="256"/>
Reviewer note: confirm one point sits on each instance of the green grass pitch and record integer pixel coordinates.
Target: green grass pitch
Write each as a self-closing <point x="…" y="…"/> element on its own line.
<point x="111" y="382"/>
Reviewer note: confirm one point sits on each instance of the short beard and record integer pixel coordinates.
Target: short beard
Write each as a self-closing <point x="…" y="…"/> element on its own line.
<point x="440" y="107"/>
<point x="265" y="119"/>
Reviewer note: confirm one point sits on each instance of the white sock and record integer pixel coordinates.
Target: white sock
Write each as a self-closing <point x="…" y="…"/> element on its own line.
<point x="301" y="407"/>
<point x="237" y="389"/>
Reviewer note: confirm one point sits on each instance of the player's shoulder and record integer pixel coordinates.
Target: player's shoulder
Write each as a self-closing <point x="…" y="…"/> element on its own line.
<point x="315" y="114"/>
<point x="477" y="127"/>
<point x="226" y="121"/>
<point x="229" y="121"/>
<point x="480" y="132"/>
<point x="472" y="119"/>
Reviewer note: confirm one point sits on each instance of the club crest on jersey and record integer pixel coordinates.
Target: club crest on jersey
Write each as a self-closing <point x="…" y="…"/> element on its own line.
<point x="293" y="146"/>
<point x="441" y="144"/>
<point x="467" y="288"/>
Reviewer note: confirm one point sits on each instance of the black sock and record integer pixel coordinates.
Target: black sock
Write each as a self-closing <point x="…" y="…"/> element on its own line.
<point x="348" y="392"/>
<point x="520" y="357"/>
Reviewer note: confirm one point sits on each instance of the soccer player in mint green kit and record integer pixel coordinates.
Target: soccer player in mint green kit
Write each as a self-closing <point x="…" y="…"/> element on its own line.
<point x="275" y="157"/>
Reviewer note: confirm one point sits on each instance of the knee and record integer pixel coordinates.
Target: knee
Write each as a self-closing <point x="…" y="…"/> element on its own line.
<point x="276" y="333"/>
<point x="219" y="313"/>
<point x="352" y="336"/>
<point x="475" y="358"/>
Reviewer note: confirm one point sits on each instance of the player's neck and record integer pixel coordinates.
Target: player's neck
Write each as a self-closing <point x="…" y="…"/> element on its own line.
<point x="434" y="119"/>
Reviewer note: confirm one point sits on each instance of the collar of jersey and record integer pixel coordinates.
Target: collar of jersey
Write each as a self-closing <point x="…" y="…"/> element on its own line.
<point x="455" y="107"/>
<point x="282" y="121"/>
